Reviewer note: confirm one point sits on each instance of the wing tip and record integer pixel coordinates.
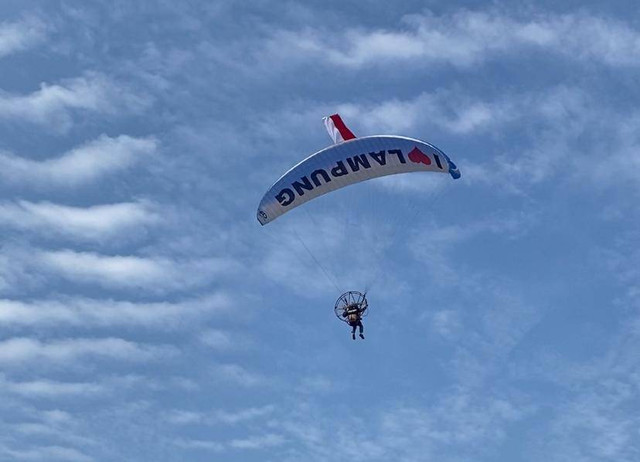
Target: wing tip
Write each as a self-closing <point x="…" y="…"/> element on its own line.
<point x="262" y="217"/>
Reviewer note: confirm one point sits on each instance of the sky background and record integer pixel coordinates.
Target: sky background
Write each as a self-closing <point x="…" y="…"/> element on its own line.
<point x="145" y="315"/>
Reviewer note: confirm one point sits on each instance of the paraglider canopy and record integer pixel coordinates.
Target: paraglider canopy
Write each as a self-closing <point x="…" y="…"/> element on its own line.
<point x="350" y="160"/>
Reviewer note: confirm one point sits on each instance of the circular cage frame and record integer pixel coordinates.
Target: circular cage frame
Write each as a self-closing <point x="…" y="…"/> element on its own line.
<point x="353" y="297"/>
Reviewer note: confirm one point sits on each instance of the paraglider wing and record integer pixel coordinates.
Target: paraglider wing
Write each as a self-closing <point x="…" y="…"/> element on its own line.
<point x="350" y="162"/>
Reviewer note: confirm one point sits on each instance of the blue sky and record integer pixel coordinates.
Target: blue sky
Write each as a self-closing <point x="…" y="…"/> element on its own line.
<point x="146" y="315"/>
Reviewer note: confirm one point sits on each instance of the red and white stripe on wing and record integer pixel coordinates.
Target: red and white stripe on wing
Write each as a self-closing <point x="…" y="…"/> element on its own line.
<point x="338" y="131"/>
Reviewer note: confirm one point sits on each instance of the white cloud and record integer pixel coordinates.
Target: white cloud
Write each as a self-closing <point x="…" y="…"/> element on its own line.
<point x="22" y="269"/>
<point x="462" y="114"/>
<point x="52" y="453"/>
<point x="234" y="374"/>
<point x="434" y="253"/>
<point x="156" y="274"/>
<point x="595" y="423"/>
<point x="85" y="312"/>
<point x="67" y="429"/>
<point x="214" y="446"/>
<point x="251" y="443"/>
<point x="97" y="222"/>
<point x="217" y="339"/>
<point x="23" y="350"/>
<point x="15" y="275"/>
<point x="446" y="323"/>
<point x="593" y="414"/>
<point x="318" y="384"/>
<point x="56" y="416"/>
<point x="463" y="39"/>
<point x="220" y="340"/>
<point x="462" y="418"/>
<point x="127" y="271"/>
<point x="50" y="388"/>
<point x="79" y="166"/>
<point x="258" y="442"/>
<point x="459" y="423"/>
<point x="53" y="106"/>
<point x="613" y="159"/>
<point x="20" y="35"/>
<point x="179" y="417"/>
<point x="217" y="417"/>
<point x="243" y="415"/>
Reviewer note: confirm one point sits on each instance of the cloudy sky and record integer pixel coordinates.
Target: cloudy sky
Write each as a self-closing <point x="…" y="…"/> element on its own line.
<point x="145" y="315"/>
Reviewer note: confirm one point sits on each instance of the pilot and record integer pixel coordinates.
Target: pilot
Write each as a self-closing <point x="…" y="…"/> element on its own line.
<point x="353" y="315"/>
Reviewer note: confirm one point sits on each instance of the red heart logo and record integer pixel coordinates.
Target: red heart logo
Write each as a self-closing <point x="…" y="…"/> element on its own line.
<point x="418" y="157"/>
